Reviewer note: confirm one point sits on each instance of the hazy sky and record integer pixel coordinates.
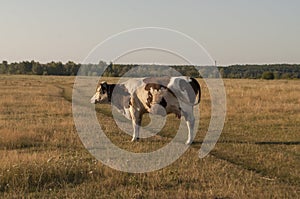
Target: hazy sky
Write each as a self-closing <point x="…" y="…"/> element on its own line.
<point x="232" y="31"/>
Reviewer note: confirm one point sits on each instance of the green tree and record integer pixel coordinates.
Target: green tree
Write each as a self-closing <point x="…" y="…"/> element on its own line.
<point x="3" y="67"/>
<point x="268" y="75"/>
<point x="37" y="69"/>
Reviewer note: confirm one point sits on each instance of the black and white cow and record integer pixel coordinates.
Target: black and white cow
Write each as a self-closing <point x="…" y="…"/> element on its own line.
<point x="156" y="95"/>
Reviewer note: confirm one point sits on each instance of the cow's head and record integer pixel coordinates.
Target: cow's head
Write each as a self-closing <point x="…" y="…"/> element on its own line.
<point x="102" y="94"/>
<point x="156" y="100"/>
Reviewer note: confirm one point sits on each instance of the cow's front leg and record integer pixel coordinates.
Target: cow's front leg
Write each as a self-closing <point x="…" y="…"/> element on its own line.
<point x="136" y="130"/>
<point x="136" y="123"/>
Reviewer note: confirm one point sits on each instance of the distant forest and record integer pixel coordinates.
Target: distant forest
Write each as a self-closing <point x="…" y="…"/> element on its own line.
<point x="273" y="71"/>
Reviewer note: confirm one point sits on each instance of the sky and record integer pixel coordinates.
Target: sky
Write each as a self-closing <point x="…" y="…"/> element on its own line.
<point x="231" y="31"/>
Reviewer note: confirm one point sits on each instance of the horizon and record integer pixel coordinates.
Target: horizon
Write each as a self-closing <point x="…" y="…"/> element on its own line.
<point x="233" y="32"/>
<point x="158" y="64"/>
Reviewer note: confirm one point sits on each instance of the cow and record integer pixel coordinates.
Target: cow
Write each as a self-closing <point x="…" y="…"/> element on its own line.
<point x="155" y="95"/>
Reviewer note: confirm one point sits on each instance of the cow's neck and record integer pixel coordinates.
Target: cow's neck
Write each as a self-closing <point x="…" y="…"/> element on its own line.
<point x="121" y="97"/>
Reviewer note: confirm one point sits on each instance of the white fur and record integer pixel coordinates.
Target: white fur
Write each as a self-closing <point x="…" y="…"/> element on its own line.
<point x="132" y="84"/>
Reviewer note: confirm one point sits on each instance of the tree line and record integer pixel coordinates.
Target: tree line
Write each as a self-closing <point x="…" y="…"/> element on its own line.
<point x="36" y="68"/>
<point x="266" y="71"/>
<point x="271" y="71"/>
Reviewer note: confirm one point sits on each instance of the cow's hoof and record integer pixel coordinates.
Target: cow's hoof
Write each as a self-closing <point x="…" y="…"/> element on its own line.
<point x="188" y="142"/>
<point x="134" y="139"/>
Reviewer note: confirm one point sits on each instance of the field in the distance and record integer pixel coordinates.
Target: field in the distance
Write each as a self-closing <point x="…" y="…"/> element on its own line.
<point x="257" y="155"/>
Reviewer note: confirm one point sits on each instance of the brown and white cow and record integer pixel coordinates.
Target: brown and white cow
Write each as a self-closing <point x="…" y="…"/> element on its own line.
<point x="155" y="95"/>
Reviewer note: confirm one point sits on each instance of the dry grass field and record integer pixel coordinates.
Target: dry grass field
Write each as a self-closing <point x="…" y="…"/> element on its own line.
<point x="257" y="155"/>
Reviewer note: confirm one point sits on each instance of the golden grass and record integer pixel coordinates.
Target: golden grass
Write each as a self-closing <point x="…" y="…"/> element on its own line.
<point x="257" y="155"/>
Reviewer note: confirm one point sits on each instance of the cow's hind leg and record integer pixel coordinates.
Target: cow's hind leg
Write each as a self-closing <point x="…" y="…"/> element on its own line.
<point x="190" y="124"/>
<point x="136" y="130"/>
<point x="190" y="121"/>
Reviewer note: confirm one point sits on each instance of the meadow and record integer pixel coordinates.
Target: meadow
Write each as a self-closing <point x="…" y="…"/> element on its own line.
<point x="257" y="155"/>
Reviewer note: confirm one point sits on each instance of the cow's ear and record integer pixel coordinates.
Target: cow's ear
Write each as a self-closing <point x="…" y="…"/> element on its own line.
<point x="104" y="85"/>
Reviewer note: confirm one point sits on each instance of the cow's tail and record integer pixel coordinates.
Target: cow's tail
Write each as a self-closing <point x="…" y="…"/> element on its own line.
<point x="197" y="89"/>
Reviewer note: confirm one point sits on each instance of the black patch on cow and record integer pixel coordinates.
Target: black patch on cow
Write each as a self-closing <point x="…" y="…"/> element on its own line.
<point x="149" y="99"/>
<point x="109" y="89"/>
<point x="163" y="103"/>
<point x="192" y="88"/>
<point x="157" y="83"/>
<point x="196" y="87"/>
<point x="103" y="87"/>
